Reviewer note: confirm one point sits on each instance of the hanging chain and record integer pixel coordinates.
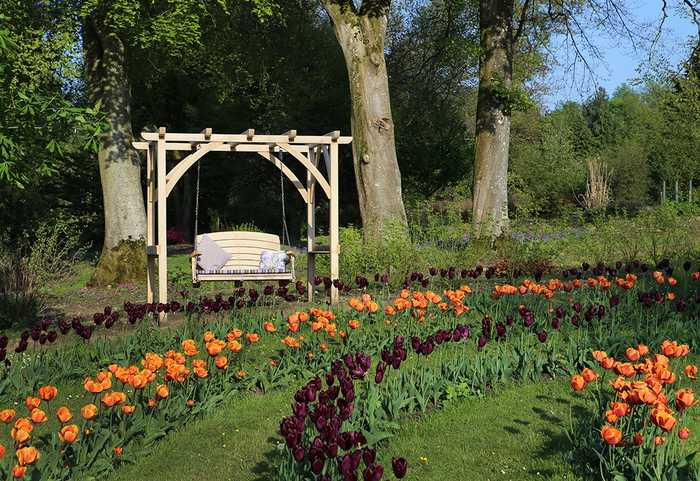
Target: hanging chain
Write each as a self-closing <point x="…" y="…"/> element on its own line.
<point x="285" y="232"/>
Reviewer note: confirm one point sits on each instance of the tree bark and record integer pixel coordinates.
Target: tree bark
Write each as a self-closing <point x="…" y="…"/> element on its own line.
<point x="120" y="169"/>
<point x="361" y="36"/>
<point x="490" y="208"/>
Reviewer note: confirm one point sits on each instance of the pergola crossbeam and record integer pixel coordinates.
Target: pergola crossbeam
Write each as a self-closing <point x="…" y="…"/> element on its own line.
<point x="247" y="138"/>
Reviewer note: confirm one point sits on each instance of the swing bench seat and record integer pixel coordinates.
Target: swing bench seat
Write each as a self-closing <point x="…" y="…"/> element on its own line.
<point x="243" y="264"/>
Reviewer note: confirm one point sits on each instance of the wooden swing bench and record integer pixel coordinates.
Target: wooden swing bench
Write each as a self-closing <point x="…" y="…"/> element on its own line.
<point x="245" y="249"/>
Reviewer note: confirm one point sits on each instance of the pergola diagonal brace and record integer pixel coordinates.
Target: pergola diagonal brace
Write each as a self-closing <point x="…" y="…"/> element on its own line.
<point x="288" y="173"/>
<point x="179" y="170"/>
<point x="309" y="166"/>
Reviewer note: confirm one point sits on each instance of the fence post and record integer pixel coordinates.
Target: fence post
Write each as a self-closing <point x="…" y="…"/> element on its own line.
<point x="663" y="191"/>
<point x="676" y="192"/>
<point x="690" y="190"/>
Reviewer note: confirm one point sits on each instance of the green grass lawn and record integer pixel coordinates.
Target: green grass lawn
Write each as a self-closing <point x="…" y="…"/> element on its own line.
<point x="518" y="434"/>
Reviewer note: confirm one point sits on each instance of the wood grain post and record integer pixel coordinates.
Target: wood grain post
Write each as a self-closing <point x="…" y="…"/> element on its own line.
<point x="162" y="222"/>
<point x="150" y="223"/>
<point x="334" y="221"/>
<point x="311" y="229"/>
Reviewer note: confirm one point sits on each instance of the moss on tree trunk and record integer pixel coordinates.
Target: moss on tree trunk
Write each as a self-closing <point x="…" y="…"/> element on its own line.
<point x="124" y="263"/>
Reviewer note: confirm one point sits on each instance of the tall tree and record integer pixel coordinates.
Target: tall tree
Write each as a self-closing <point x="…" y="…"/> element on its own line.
<point x="361" y="33"/>
<point x="120" y="167"/>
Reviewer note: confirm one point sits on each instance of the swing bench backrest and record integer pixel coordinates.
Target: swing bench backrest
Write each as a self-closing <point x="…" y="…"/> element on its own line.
<point x="245" y="249"/>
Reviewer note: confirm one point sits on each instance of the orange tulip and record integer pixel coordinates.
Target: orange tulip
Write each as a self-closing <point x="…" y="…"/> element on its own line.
<point x="7" y="415"/>
<point x="589" y="375"/>
<point x="234" y="346"/>
<point x="611" y="435"/>
<point x="2" y="451"/>
<point x="607" y="363"/>
<point x="89" y="411"/>
<point x="189" y="347"/>
<point x="659" y="440"/>
<point x="18" y="472"/>
<point x="577" y="383"/>
<point x="68" y="434"/>
<point x="663" y="419"/>
<point x="128" y="409"/>
<point x="691" y="371"/>
<point x="215" y="347"/>
<point x="620" y="409"/>
<point x="638" y="439"/>
<point x="252" y="337"/>
<point x="269" y="327"/>
<point x="684" y="399"/>
<point x="632" y="354"/>
<point x="209" y="336"/>
<point x="190" y="403"/>
<point x="27" y="455"/>
<point x="162" y="391"/>
<point x="118" y="451"/>
<point x="63" y="414"/>
<point x="684" y="433"/>
<point x="353" y="324"/>
<point x="47" y="393"/>
<point x="38" y="416"/>
<point x="32" y="402"/>
<point x="221" y="362"/>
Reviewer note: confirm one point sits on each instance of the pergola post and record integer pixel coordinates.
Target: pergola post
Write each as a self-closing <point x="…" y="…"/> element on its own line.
<point x="150" y="224"/>
<point x="162" y="220"/>
<point x="334" y="221"/>
<point x="311" y="229"/>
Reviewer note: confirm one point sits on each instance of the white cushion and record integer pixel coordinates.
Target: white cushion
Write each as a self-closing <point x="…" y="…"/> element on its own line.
<point x="212" y="257"/>
<point x="273" y="261"/>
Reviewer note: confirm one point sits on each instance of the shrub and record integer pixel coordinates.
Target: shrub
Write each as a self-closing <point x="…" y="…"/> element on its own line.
<point x="20" y="302"/>
<point x="55" y="251"/>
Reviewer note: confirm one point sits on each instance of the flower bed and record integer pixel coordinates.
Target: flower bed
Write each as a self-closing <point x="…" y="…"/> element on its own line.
<point x="519" y="332"/>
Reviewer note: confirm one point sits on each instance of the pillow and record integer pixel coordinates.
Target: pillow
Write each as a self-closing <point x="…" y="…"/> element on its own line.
<point x="273" y="261"/>
<point x="212" y="257"/>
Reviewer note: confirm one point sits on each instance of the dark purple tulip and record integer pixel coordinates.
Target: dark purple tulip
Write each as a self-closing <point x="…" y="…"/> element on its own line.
<point x="556" y="322"/>
<point x="298" y="453"/>
<point x="368" y="456"/>
<point x="3" y="342"/>
<point x="509" y="320"/>
<point x="542" y="335"/>
<point x="399" y="466"/>
<point x="481" y="342"/>
<point x="373" y="472"/>
<point x="575" y="320"/>
<point x="3" y="354"/>
<point x="687" y="265"/>
<point x="500" y="329"/>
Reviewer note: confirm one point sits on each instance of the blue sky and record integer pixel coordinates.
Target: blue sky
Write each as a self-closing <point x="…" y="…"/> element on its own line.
<point x="620" y="61"/>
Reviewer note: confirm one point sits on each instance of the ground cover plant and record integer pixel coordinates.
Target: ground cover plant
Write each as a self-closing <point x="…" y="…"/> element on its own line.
<point x="121" y="397"/>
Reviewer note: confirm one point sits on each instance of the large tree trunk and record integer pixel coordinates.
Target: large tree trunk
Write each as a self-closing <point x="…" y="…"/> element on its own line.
<point x="490" y="209"/>
<point x="123" y="258"/>
<point x="361" y="37"/>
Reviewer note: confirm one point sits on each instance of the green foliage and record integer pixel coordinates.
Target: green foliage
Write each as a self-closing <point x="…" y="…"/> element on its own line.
<point x="20" y="302"/>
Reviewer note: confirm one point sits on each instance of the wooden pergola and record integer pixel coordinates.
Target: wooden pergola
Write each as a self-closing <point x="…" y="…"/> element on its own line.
<point x="305" y="149"/>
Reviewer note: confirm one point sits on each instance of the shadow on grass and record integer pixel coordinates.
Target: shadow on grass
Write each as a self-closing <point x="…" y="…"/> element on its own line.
<point x="558" y="444"/>
<point x="267" y="470"/>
